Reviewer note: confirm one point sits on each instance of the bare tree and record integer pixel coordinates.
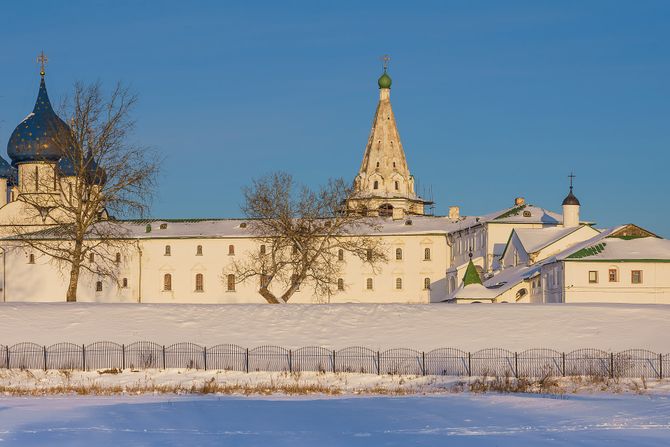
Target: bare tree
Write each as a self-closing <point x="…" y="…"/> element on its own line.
<point x="301" y="233"/>
<point x="101" y="174"/>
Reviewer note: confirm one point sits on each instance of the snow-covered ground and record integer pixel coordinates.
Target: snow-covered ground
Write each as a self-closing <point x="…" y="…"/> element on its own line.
<point x="458" y="420"/>
<point x="422" y="327"/>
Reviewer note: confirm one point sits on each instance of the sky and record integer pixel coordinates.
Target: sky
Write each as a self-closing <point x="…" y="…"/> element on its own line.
<point x="493" y="99"/>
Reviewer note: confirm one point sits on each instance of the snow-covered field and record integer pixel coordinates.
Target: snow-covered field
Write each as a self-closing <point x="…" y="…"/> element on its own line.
<point x="422" y="327"/>
<point x="458" y="420"/>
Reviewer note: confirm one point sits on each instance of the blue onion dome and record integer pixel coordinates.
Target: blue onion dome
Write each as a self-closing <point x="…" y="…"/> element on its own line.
<point x="66" y="167"/>
<point x="40" y="135"/>
<point x="5" y="169"/>
<point x="94" y="173"/>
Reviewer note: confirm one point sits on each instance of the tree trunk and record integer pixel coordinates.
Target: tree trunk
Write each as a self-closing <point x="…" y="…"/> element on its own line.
<point x="74" y="281"/>
<point x="269" y="296"/>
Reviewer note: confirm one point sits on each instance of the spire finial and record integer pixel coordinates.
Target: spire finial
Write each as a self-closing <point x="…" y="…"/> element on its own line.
<point x="385" y="61"/>
<point x="571" y="177"/>
<point x="42" y="60"/>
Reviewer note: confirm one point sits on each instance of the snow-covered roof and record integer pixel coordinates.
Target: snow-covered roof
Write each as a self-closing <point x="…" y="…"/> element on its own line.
<point x="527" y="214"/>
<point x="618" y="249"/>
<point x="535" y="239"/>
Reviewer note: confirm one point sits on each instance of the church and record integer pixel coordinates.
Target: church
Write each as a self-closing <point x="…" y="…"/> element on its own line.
<point x="520" y="254"/>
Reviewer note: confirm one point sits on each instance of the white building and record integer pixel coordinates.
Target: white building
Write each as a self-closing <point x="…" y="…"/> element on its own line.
<point x="523" y="253"/>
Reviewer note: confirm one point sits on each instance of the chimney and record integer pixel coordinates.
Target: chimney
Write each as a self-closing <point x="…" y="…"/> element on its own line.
<point x="454" y="213"/>
<point x="519" y="201"/>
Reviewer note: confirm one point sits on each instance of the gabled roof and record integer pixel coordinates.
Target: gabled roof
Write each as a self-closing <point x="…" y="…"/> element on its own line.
<point x="527" y="213"/>
<point x="535" y="239"/>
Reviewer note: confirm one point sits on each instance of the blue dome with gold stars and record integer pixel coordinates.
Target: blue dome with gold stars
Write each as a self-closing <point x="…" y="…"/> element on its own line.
<point x="40" y="135"/>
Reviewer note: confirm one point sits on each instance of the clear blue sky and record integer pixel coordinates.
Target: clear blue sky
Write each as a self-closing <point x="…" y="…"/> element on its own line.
<point x="493" y="99"/>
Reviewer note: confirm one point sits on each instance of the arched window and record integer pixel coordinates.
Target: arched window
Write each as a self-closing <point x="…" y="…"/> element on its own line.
<point x="263" y="249"/>
<point x="231" y="250"/>
<point x="368" y="283"/>
<point x="37" y="178"/>
<point x="368" y="254"/>
<point x="386" y="210"/>
<point x="397" y="185"/>
<point x="398" y="254"/>
<point x="340" y="255"/>
<point x="167" y="282"/>
<point x="199" y="286"/>
<point x="168" y="250"/>
<point x="118" y="258"/>
<point x="340" y="284"/>
<point x="230" y="282"/>
<point x="198" y="250"/>
<point x="394" y="161"/>
<point x="426" y="254"/>
<point x="31" y="258"/>
<point x="426" y="283"/>
<point x="98" y="286"/>
<point x="375" y="185"/>
<point x="124" y="283"/>
<point x="91" y="257"/>
<point x="377" y="164"/>
<point x="398" y="283"/>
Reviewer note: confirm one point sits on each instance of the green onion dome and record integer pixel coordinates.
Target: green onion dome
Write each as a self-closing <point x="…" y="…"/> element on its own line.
<point x="384" y="81"/>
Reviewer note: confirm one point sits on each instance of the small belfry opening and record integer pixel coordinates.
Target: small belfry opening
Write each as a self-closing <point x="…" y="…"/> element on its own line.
<point x="386" y="210"/>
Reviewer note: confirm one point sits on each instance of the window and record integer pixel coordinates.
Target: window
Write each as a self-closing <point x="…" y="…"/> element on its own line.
<point x="31" y="258"/>
<point x="614" y="275"/>
<point x="398" y="254"/>
<point x="397" y="185"/>
<point x="636" y="276"/>
<point x="426" y="283"/>
<point x="426" y="254"/>
<point x="98" y="286"/>
<point x="168" y="250"/>
<point x="91" y="257"/>
<point x="199" y="287"/>
<point x="386" y="210"/>
<point x="375" y="185"/>
<point x="377" y="164"/>
<point x="37" y="178"/>
<point x="198" y="250"/>
<point x="398" y="283"/>
<point x="593" y="277"/>
<point x="368" y="283"/>
<point x="117" y="259"/>
<point x="263" y="249"/>
<point x="394" y="161"/>
<point x="340" y="255"/>
<point x="231" y="250"/>
<point x="230" y="282"/>
<point x="340" y="284"/>
<point x="124" y="283"/>
<point x="167" y="282"/>
<point x="163" y="226"/>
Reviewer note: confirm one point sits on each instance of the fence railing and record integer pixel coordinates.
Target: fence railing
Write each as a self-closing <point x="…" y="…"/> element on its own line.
<point x="632" y="363"/>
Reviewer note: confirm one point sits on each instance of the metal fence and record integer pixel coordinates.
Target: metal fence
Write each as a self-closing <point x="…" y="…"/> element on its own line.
<point x="631" y="363"/>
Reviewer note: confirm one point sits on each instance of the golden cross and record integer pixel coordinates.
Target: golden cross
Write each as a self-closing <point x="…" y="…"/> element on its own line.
<point x="385" y="60"/>
<point x="42" y="60"/>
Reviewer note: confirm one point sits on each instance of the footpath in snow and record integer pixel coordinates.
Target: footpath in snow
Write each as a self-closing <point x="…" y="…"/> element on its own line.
<point x="563" y="327"/>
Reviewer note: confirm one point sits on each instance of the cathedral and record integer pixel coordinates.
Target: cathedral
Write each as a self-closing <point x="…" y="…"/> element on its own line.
<point x="520" y="254"/>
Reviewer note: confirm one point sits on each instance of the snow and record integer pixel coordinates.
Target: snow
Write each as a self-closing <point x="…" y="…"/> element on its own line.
<point x="640" y="248"/>
<point x="534" y="239"/>
<point x="459" y="420"/>
<point x="378" y="326"/>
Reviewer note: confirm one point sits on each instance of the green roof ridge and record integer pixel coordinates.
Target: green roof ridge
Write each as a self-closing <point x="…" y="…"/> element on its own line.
<point x="588" y="251"/>
<point x="471" y="275"/>
<point x="513" y="212"/>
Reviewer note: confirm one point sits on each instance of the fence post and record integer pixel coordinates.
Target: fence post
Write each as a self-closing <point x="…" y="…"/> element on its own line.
<point x="378" y="365"/>
<point x="660" y="365"/>
<point x="611" y="365"/>
<point x="83" y="356"/>
<point x="516" y="364"/>
<point x="423" y="362"/>
<point x="333" y="361"/>
<point x="163" y="356"/>
<point x="45" y="357"/>
<point x="290" y="361"/>
<point x="469" y="365"/>
<point x="246" y="361"/>
<point x="563" y="356"/>
<point x="204" y="356"/>
<point x="123" y="357"/>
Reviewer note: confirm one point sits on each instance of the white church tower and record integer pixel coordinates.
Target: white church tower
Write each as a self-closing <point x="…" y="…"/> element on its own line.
<point x="384" y="185"/>
<point x="571" y="208"/>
